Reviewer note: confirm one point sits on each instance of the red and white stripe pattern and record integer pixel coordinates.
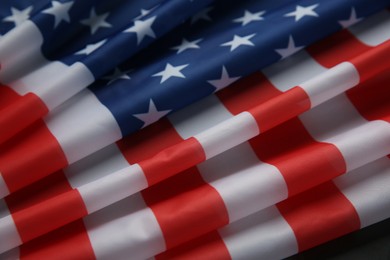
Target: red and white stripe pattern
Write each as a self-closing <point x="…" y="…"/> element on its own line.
<point x="97" y="128"/>
<point x="33" y="81"/>
<point x="72" y="144"/>
<point x="351" y="201"/>
<point x="221" y="177"/>
<point x="32" y="89"/>
<point x="60" y="143"/>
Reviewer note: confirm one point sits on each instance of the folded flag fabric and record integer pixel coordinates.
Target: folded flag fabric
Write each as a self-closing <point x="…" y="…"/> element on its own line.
<point x="357" y="199"/>
<point x="284" y="161"/>
<point x="163" y="81"/>
<point x="245" y="172"/>
<point x="349" y="202"/>
<point x="55" y="47"/>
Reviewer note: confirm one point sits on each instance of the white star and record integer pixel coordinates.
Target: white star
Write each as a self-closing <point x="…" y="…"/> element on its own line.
<point x="249" y="17"/>
<point x="145" y="12"/>
<point x="224" y="81"/>
<point x="302" y="11"/>
<point x="202" y="15"/>
<point x="238" y="41"/>
<point x="91" y="48"/>
<point x="291" y="48"/>
<point x="118" y="74"/>
<point x="142" y="28"/>
<point x="96" y="21"/>
<point x="18" y="16"/>
<point x="60" y="12"/>
<point x="185" y="45"/>
<point x="170" y="71"/>
<point x="152" y="115"/>
<point x="352" y="19"/>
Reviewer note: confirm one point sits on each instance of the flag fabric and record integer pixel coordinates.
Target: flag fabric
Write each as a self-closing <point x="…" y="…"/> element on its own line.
<point x="78" y="61"/>
<point x="104" y="114"/>
<point x="252" y="171"/>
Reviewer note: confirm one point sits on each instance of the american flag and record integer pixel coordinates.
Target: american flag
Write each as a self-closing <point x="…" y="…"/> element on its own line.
<point x="238" y="168"/>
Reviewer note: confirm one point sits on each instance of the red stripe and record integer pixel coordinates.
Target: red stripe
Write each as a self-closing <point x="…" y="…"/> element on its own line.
<point x="44" y="206"/>
<point x="172" y="160"/>
<point x="319" y="215"/>
<point x="42" y="190"/>
<point x="372" y="98"/>
<point x="258" y="96"/>
<point x="68" y="242"/>
<point x="7" y="96"/>
<point x="158" y="149"/>
<point x="50" y="215"/>
<point x="373" y="62"/>
<point x="281" y="108"/>
<point x="31" y="155"/>
<point x="302" y="161"/>
<point x="184" y="205"/>
<point x="149" y="141"/>
<point x="339" y="47"/>
<point x="20" y="114"/>
<point x="247" y="93"/>
<point x="344" y="46"/>
<point x="209" y="246"/>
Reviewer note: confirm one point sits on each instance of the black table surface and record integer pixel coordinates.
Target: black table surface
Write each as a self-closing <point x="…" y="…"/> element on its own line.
<point x="372" y="242"/>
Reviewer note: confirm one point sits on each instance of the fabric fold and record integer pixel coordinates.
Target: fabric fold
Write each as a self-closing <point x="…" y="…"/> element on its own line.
<point x="287" y="228"/>
<point x="78" y="62"/>
<point x="97" y="127"/>
<point x="178" y="153"/>
<point x="169" y="161"/>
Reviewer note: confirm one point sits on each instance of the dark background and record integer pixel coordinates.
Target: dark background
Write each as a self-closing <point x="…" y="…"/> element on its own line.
<point x="372" y="243"/>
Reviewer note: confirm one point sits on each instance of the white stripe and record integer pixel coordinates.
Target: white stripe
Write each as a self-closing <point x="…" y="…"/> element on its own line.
<point x="82" y="126"/>
<point x="112" y="188"/>
<point x="228" y="134"/>
<point x="95" y="166"/>
<point x="266" y="234"/>
<point x="54" y="82"/>
<point x="373" y="30"/>
<point x="127" y="229"/>
<point x="292" y="71"/>
<point x="12" y="254"/>
<point x="263" y="235"/>
<point x="332" y="118"/>
<point x="20" y="51"/>
<point x="40" y="78"/>
<point x="330" y="83"/>
<point x="199" y="117"/>
<point x="367" y="188"/>
<point x="319" y="83"/>
<point x="336" y="121"/>
<point x="4" y="191"/>
<point x="363" y="144"/>
<point x="9" y="234"/>
<point x="244" y="183"/>
<point x="3" y="209"/>
<point x="73" y="79"/>
<point x="25" y="69"/>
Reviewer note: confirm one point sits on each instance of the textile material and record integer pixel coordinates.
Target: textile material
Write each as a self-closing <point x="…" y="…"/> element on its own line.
<point x="231" y="161"/>
<point x="159" y="82"/>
